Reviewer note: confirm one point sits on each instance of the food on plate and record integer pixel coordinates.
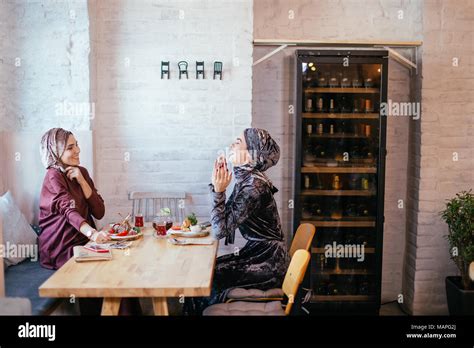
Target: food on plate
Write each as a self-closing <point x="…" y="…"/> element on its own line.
<point x="124" y="228"/>
<point x="191" y="220"/>
<point x="196" y="228"/>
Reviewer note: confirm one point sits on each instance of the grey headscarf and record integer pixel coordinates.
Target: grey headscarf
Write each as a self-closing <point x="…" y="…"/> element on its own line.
<point x="53" y="144"/>
<point x="264" y="152"/>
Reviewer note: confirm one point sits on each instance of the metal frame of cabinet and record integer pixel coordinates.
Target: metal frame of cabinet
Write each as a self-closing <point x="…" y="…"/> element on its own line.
<point x="342" y="304"/>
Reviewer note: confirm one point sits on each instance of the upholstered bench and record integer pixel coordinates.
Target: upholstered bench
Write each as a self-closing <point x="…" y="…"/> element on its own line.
<point x="23" y="280"/>
<point x="19" y="282"/>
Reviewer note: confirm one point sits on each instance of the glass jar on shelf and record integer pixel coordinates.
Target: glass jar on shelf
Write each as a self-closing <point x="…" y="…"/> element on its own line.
<point x="319" y="128"/>
<point x="336" y="182"/>
<point x="336" y="213"/>
<point x="333" y="289"/>
<point x="322" y="81"/>
<point x="306" y="212"/>
<point x="356" y="108"/>
<point x="309" y="104"/>
<point x="353" y="181"/>
<point x="332" y="106"/>
<point x="356" y="82"/>
<point x="316" y="210"/>
<point x="308" y="157"/>
<point x="345" y="81"/>
<point x="333" y="81"/>
<point x="307" y="182"/>
<point x="369" y="106"/>
<point x="366" y="153"/>
<point x="364" y="183"/>
<point x="331" y="129"/>
<point x="320" y="105"/>
<point x="368" y="82"/>
<point x="320" y="152"/>
<point x="351" y="210"/>
<point x="318" y="182"/>
<point x="363" y="210"/>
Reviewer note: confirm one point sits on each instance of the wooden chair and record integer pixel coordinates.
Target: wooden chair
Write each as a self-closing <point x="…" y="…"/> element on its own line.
<point x="302" y="240"/>
<point x="150" y="203"/>
<point x="293" y="278"/>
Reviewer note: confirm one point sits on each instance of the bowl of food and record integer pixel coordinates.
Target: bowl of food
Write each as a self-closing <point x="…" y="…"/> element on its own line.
<point x="191" y="220"/>
<point x="124" y="230"/>
<point x="196" y="229"/>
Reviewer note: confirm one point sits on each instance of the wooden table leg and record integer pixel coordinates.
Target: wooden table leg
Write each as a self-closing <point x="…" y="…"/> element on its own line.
<point x="111" y="306"/>
<point x="160" y="306"/>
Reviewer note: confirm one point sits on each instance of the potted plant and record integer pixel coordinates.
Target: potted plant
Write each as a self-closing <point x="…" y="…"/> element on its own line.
<point x="459" y="215"/>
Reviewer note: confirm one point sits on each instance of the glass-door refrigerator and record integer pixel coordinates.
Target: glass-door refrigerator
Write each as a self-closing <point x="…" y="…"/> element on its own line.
<point x="339" y="175"/>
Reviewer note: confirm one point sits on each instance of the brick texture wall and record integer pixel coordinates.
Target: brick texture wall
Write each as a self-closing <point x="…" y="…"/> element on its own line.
<point x="163" y="135"/>
<point x="273" y="92"/>
<point x="441" y="149"/>
<point x="44" y="62"/>
<point x="44" y="83"/>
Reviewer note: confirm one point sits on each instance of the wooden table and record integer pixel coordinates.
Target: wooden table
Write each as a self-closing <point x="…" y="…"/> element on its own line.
<point x="151" y="268"/>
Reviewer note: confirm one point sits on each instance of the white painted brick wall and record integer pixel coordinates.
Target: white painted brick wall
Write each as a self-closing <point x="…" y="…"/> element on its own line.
<point x="44" y="57"/>
<point x="50" y="41"/>
<point x="446" y="126"/>
<point x="172" y="129"/>
<point x="273" y="91"/>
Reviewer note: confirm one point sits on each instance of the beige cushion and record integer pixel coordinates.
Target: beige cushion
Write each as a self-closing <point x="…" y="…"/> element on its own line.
<point x="239" y="293"/>
<point x="15" y="306"/>
<point x="471" y="271"/>
<point x="245" y="308"/>
<point x="17" y="233"/>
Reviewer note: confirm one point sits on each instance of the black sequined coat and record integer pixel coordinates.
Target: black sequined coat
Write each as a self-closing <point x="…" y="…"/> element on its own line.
<point x="263" y="261"/>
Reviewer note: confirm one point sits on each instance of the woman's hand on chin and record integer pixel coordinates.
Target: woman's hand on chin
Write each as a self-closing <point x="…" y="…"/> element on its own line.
<point x="75" y="173"/>
<point x="221" y="176"/>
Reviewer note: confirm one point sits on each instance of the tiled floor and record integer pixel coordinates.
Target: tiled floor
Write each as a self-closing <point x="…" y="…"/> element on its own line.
<point x="392" y="308"/>
<point x="175" y="308"/>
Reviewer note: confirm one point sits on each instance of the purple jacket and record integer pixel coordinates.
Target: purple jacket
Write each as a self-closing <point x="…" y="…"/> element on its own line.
<point x="63" y="208"/>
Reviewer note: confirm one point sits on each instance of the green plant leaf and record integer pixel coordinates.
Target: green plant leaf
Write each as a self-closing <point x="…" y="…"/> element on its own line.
<point x="459" y="216"/>
<point x="165" y="211"/>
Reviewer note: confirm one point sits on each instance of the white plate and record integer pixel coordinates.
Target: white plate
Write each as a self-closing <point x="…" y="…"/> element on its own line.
<point x="128" y="237"/>
<point x="188" y="234"/>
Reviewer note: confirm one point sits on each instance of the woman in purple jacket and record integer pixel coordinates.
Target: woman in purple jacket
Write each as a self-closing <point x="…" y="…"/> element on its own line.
<point x="68" y="201"/>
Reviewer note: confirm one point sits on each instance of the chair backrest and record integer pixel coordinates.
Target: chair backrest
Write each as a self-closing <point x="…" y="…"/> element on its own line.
<point x="149" y="204"/>
<point x="471" y="271"/>
<point x="294" y="276"/>
<point x="303" y="238"/>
